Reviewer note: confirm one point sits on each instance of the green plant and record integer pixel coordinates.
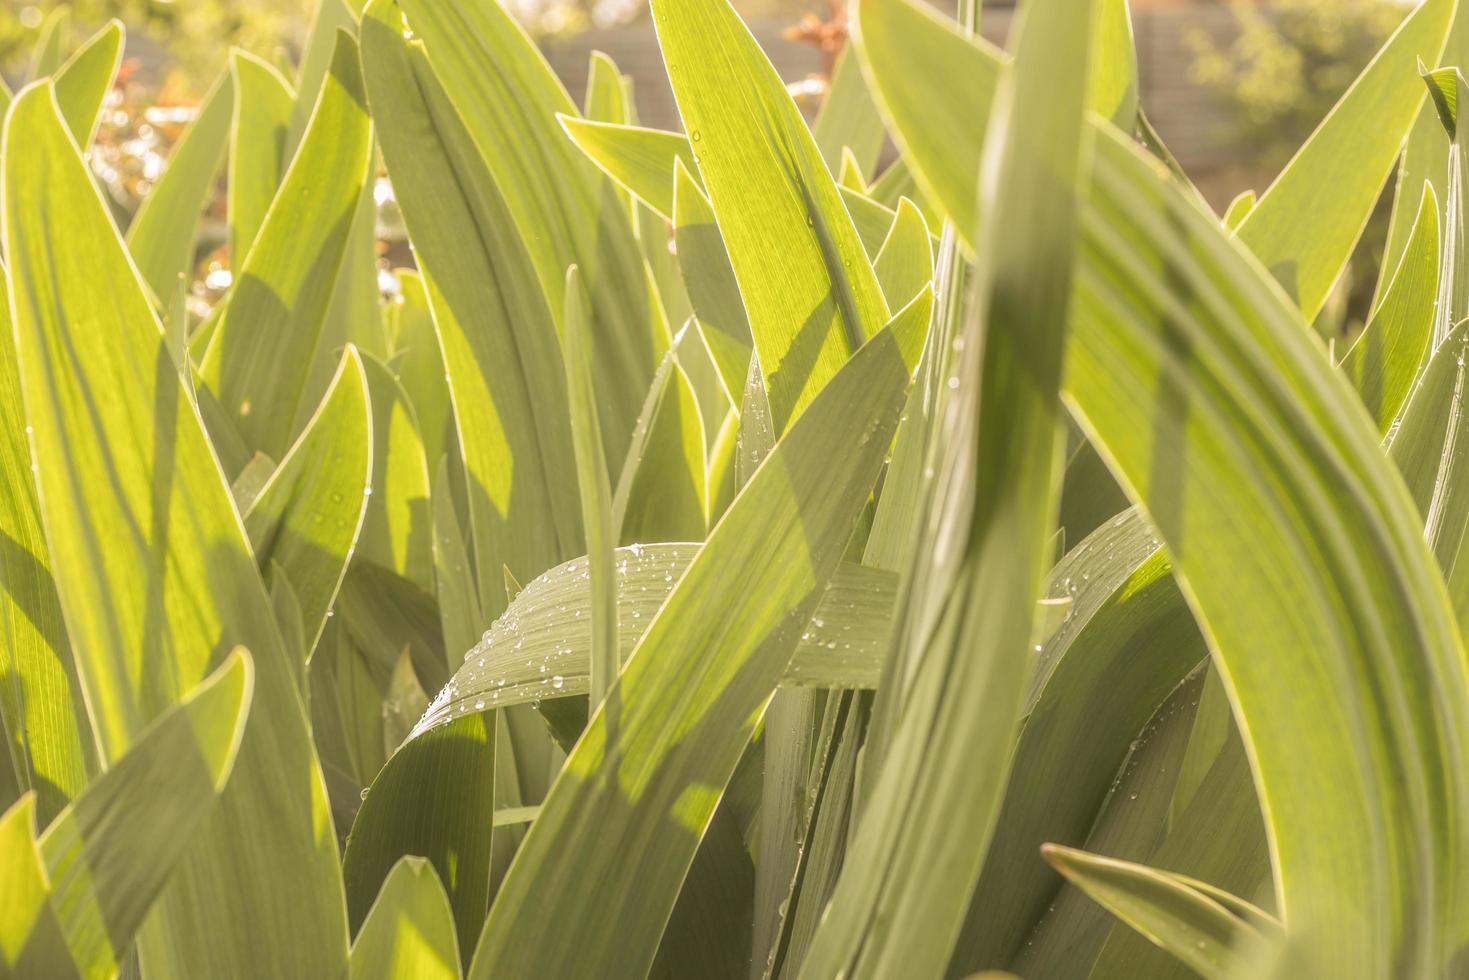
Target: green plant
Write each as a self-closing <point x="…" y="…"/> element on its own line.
<point x="804" y="589"/>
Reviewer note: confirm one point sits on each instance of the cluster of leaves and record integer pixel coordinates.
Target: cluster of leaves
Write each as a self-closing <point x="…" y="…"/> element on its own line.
<point x="974" y="565"/>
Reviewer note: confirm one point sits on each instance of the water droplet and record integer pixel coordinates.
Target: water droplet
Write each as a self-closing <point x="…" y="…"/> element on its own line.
<point x="696" y="136"/>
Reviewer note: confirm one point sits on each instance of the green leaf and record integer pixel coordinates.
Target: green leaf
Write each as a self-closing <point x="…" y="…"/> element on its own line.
<point x="661" y="495"/>
<point x="1089" y="494"/>
<point x="941" y="139"/>
<point x="826" y="837"/>
<point x="1426" y="158"/>
<point x="1239" y="209"/>
<point x="161" y="236"/>
<point x="679" y="728"/>
<point x="565" y="212"/>
<point x="111" y="852"/>
<point x="904" y="265"/>
<point x="410" y="930"/>
<point x="640" y="160"/>
<point x="1426" y="450"/>
<point x="413" y="344"/>
<point x="1308" y="221"/>
<point x="306" y="518"/>
<point x="152" y="567"/>
<point x="82" y="83"/>
<point x="454" y="578"/>
<point x="850" y="175"/>
<point x="354" y="315"/>
<point x="712" y="288"/>
<point x="1112" y="91"/>
<point x="595" y="492"/>
<point x="259" y="125"/>
<point x="500" y="352"/>
<point x="397" y="529"/>
<point x="608" y="100"/>
<point x="329" y="19"/>
<point x="259" y="359"/>
<point x="816" y="299"/>
<point x="1216" y="835"/>
<point x="1169" y="909"/>
<point x="643" y="162"/>
<point x="1443" y="90"/>
<point x="434" y="799"/>
<point x="1288" y="636"/>
<point x="31" y="941"/>
<point x="1073" y="929"/>
<point x="1384" y="361"/>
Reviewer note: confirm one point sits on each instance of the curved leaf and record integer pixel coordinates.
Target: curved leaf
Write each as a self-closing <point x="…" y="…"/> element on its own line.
<point x="1127" y="641"/>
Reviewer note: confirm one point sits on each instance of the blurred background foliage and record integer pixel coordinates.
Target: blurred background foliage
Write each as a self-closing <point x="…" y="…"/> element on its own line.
<point x="1278" y="75"/>
<point x="1288" y="64"/>
<point x="188" y="41"/>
